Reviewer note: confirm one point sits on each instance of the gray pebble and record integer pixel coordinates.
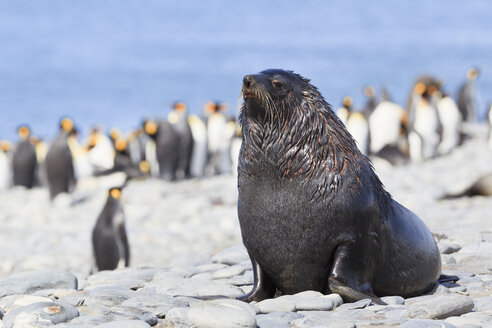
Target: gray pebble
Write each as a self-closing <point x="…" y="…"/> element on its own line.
<point x="393" y="300"/>
<point x="423" y="323"/>
<point x="464" y="322"/>
<point x="483" y="304"/>
<point x="212" y="267"/>
<point x="12" y="302"/>
<point x="322" y="319"/>
<point x="277" y="319"/>
<point x="235" y="303"/>
<point x="42" y="313"/>
<point x="108" y="295"/>
<point x="125" y="324"/>
<point x="361" y="304"/>
<point x="447" y="248"/>
<point x="242" y="280"/>
<point x="228" y="272"/>
<point x="214" y="315"/>
<point x="232" y="255"/>
<point x="279" y="304"/>
<point x="134" y="313"/>
<point x="438" y="306"/>
<point x="32" y="281"/>
<point x="313" y="304"/>
<point x="159" y="305"/>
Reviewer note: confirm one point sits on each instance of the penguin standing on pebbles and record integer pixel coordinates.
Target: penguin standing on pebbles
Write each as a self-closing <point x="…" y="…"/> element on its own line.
<point x="179" y="120"/>
<point x="60" y="171"/>
<point x="163" y="150"/>
<point x="109" y="239"/>
<point x="24" y="159"/>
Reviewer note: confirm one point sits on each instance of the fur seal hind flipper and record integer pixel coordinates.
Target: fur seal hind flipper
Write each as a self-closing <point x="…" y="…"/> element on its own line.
<point x="263" y="286"/>
<point x="348" y="276"/>
<point x="349" y="294"/>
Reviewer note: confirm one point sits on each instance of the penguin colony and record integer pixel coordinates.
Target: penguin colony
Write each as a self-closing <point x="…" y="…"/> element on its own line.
<point x="189" y="146"/>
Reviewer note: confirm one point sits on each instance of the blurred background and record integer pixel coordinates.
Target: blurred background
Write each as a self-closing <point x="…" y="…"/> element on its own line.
<point x="116" y="62"/>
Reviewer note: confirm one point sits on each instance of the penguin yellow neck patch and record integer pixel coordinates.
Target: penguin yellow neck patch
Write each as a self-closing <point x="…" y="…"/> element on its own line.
<point x="144" y="166"/>
<point x="115" y="193"/>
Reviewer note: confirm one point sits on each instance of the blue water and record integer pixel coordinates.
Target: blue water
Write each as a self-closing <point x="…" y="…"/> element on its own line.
<point x="115" y="62"/>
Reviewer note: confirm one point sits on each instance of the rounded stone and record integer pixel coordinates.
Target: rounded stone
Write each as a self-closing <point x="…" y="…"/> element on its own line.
<point x="214" y="315"/>
<point x="279" y="304"/>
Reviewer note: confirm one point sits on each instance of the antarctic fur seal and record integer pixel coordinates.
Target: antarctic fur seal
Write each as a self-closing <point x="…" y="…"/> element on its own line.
<point x="313" y="213"/>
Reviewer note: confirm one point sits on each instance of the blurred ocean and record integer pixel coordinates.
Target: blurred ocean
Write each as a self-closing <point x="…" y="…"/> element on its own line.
<point x="116" y="62"/>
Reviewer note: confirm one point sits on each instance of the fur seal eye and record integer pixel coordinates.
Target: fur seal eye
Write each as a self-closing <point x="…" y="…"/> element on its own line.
<point x="277" y="84"/>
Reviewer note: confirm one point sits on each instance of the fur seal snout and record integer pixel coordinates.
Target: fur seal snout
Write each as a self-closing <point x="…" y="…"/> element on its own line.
<point x="313" y="213"/>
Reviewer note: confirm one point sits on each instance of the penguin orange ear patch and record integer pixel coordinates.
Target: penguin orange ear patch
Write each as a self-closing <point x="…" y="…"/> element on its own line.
<point x="115" y="193"/>
<point x="419" y="88"/>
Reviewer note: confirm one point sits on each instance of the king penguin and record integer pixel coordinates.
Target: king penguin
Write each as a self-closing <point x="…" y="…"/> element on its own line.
<point x="178" y="117"/>
<point x="451" y="121"/>
<point x="60" y="171"/>
<point x="109" y="240"/>
<point x="344" y="111"/>
<point x="5" y="171"/>
<point x="24" y="160"/>
<point x="426" y="123"/>
<point x="386" y="124"/>
<point x="162" y="149"/>
<point x="358" y="127"/>
<point x="218" y="141"/>
<point x="101" y="152"/>
<point x="467" y="96"/>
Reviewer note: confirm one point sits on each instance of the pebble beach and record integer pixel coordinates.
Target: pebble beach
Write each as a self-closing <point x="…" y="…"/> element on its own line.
<point x="185" y="242"/>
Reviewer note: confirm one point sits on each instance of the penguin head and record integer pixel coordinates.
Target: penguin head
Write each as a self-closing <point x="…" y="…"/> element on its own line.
<point x="180" y="106"/>
<point x="151" y="127"/>
<point x="66" y="125"/>
<point x="120" y="145"/>
<point x="115" y="193"/>
<point x="472" y="73"/>
<point x="24" y="132"/>
<point x="347" y="102"/>
<point x="93" y="138"/>
<point x="369" y="91"/>
<point x="210" y="107"/>
<point x="114" y="134"/>
<point x="419" y="88"/>
<point x="5" y="145"/>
